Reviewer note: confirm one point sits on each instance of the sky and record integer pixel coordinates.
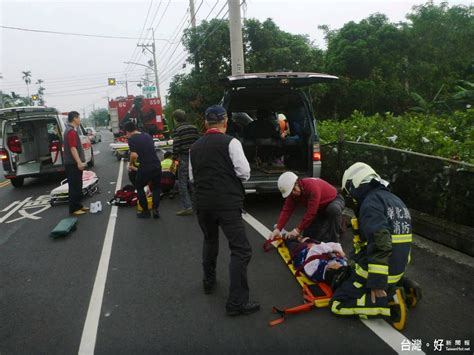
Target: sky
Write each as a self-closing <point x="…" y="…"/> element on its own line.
<point x="75" y="69"/>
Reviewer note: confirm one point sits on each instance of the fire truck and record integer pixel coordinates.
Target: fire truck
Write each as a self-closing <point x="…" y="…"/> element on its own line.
<point x="146" y="113"/>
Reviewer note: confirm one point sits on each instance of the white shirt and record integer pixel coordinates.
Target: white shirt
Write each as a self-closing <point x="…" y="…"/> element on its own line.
<point x="320" y="249"/>
<point x="237" y="155"/>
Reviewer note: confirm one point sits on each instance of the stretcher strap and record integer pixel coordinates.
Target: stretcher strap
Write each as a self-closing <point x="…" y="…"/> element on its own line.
<point x="268" y="243"/>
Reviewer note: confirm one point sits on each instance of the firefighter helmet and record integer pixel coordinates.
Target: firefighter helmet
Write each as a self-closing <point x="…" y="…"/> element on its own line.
<point x="357" y="174"/>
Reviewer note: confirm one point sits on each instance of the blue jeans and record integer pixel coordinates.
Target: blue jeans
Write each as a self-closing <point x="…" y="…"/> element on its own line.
<point x="184" y="185"/>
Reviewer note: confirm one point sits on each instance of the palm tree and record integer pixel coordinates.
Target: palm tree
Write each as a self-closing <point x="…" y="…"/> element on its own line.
<point x="27" y="79"/>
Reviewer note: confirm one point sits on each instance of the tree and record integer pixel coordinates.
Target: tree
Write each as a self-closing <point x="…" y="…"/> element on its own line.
<point x="100" y="117"/>
<point x="27" y="79"/>
<point x="266" y="47"/>
<point x="40" y="91"/>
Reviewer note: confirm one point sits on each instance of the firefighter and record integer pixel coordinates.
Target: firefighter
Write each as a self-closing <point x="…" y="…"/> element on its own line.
<point x="381" y="250"/>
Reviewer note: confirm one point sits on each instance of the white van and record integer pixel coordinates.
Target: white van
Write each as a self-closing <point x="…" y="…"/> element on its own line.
<point x="31" y="142"/>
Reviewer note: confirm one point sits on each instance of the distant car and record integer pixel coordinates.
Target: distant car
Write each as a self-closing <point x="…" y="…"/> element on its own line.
<point x="32" y="142"/>
<point x="93" y="135"/>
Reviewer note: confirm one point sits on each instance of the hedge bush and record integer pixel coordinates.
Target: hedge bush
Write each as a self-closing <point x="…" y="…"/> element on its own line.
<point x="450" y="136"/>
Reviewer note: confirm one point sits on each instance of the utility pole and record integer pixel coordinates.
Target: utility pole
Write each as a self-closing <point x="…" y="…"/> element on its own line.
<point x="193" y="24"/>
<point x="153" y="52"/>
<point x="236" y="44"/>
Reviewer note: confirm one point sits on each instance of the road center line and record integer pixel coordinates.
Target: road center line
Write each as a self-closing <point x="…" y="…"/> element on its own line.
<point x="91" y="325"/>
<point x="380" y="327"/>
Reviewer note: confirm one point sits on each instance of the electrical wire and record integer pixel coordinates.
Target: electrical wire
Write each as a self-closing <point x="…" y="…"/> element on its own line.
<point x="141" y="34"/>
<point x="72" y="33"/>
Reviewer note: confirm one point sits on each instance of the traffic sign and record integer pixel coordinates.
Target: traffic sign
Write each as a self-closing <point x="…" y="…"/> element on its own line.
<point x="149" y="89"/>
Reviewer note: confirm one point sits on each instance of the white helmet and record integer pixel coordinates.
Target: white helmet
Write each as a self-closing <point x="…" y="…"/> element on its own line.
<point x="286" y="183"/>
<point x="357" y="174"/>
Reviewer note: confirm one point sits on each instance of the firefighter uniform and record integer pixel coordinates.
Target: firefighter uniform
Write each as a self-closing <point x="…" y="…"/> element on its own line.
<point x="381" y="252"/>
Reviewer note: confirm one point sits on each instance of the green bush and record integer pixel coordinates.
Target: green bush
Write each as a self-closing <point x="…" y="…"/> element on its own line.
<point x="450" y="136"/>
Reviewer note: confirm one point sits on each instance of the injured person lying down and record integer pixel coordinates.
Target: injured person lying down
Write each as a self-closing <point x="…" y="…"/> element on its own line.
<point x="319" y="261"/>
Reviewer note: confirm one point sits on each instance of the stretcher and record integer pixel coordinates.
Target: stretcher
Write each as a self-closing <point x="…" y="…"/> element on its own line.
<point x="315" y="294"/>
<point x="90" y="185"/>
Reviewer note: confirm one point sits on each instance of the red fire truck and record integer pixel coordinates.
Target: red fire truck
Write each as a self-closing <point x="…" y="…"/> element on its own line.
<point x="146" y="113"/>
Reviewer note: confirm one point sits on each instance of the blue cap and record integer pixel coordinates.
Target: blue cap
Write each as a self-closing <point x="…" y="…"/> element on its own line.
<point x="215" y="113"/>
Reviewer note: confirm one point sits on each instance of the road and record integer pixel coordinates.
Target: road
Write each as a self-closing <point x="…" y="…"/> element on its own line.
<point x="152" y="299"/>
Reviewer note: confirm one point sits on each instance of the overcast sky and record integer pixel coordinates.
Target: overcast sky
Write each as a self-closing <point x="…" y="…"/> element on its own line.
<point x="75" y="69"/>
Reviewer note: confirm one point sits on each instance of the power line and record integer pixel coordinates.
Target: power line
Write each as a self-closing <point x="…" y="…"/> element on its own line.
<point x="177" y="44"/>
<point x="180" y="60"/>
<point x="128" y="68"/>
<point x="72" y="33"/>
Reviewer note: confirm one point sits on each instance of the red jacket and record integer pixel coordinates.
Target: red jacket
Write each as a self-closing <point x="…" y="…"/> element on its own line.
<point x="315" y="194"/>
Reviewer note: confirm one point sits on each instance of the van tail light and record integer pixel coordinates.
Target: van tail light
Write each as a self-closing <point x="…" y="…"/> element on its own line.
<point x="14" y="144"/>
<point x="3" y="155"/>
<point x="54" y="147"/>
<point x="316" y="152"/>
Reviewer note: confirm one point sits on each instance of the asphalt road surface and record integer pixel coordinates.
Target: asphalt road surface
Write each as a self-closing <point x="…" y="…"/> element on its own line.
<point x="122" y="285"/>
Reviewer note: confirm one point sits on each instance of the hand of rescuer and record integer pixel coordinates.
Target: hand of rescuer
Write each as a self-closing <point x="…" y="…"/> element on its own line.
<point x="377" y="293"/>
<point x="276" y="232"/>
<point x="294" y="234"/>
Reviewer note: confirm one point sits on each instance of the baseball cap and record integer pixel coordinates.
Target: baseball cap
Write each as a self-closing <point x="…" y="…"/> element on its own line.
<point x="215" y="113"/>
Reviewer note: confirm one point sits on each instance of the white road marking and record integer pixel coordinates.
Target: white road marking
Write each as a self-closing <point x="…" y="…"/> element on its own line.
<point x="20" y="205"/>
<point x="89" y="332"/>
<point x="380" y="327"/>
<point x="96" y="152"/>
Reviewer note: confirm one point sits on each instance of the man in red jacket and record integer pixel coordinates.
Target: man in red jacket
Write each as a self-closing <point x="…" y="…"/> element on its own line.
<point x="323" y="218"/>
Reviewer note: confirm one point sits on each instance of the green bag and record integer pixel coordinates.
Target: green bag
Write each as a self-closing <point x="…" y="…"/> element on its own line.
<point x="63" y="228"/>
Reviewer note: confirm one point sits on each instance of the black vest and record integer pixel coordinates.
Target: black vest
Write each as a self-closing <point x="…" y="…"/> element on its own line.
<point x="68" y="158"/>
<point x="216" y="184"/>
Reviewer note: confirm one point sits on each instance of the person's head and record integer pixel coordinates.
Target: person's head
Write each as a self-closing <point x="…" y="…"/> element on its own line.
<point x="73" y="118"/>
<point x="179" y="116"/>
<point x="129" y="128"/>
<point x="168" y="155"/>
<point x="216" y="117"/>
<point x="288" y="184"/>
<point x="356" y="175"/>
<point x="281" y="117"/>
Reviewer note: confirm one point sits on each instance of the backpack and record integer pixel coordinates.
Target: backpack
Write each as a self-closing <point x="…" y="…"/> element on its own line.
<point x="124" y="197"/>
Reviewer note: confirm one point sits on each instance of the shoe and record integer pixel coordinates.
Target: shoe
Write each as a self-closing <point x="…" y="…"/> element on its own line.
<point x="156" y="213"/>
<point x="398" y="310"/>
<point x="144" y="214"/>
<point x="79" y="212"/>
<point x="209" y="286"/>
<point x="413" y="293"/>
<point x="185" y="212"/>
<point x="243" y="309"/>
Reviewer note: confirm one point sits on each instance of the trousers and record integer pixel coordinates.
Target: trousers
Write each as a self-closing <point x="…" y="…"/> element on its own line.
<point x="74" y="180"/>
<point x="233" y="227"/>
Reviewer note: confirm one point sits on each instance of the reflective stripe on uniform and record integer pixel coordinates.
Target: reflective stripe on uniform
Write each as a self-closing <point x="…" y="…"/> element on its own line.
<point x="378" y="269"/>
<point x="364" y="274"/>
<point x="401" y="238"/>
<point x="357" y="284"/>
<point x="361" y="301"/>
<point x="368" y="311"/>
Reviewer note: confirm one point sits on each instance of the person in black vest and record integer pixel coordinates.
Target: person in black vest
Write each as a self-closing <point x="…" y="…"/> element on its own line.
<point x="74" y="163"/>
<point x="217" y="168"/>
<point x="142" y="150"/>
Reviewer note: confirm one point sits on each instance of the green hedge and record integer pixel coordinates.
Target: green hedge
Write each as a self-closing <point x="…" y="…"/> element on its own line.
<point x="449" y="136"/>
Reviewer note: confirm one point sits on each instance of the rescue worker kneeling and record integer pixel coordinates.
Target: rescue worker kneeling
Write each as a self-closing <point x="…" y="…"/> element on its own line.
<point x="381" y="250"/>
